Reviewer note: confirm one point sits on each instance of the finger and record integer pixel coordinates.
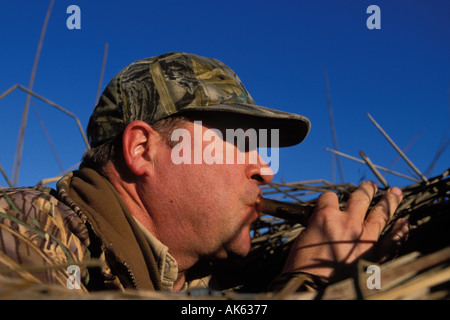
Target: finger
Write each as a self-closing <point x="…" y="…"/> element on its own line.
<point x="400" y="231"/>
<point x="327" y="201"/>
<point x="390" y="245"/>
<point x="359" y="201"/>
<point x="383" y="211"/>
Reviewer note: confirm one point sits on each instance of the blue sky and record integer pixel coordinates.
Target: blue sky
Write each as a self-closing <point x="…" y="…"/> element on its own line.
<point x="400" y="73"/>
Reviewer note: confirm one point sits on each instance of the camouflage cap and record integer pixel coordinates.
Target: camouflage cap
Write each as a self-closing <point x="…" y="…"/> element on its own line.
<point x="181" y="84"/>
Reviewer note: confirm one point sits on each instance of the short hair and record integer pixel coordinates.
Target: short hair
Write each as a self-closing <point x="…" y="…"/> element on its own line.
<point x="111" y="150"/>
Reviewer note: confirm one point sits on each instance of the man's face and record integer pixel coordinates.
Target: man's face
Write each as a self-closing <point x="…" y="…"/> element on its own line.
<point x="207" y="205"/>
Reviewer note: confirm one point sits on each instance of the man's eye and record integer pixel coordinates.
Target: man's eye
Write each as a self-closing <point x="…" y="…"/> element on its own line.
<point x="245" y="145"/>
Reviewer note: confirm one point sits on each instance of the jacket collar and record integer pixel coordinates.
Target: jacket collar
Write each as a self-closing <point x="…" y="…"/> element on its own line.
<point x="98" y="204"/>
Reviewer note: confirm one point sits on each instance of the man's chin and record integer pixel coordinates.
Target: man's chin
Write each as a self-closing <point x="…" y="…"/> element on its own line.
<point x="224" y="255"/>
<point x="240" y="248"/>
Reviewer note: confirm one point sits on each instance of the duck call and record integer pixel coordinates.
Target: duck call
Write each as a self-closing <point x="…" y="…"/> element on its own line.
<point x="296" y="212"/>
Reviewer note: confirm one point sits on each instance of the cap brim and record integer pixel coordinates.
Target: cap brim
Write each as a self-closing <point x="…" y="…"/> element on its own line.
<point x="293" y="128"/>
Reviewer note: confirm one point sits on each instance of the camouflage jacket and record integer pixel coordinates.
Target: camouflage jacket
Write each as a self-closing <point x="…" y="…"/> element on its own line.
<point x="43" y="231"/>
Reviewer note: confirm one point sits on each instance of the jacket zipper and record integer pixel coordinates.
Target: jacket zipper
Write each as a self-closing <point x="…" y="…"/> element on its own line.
<point x="132" y="277"/>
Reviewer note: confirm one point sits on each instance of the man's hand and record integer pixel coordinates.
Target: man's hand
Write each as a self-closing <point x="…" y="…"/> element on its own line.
<point x="336" y="238"/>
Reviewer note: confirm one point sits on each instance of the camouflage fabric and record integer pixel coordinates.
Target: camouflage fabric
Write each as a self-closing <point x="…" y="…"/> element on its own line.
<point x="39" y="233"/>
<point x="180" y="83"/>
<point x="43" y="231"/>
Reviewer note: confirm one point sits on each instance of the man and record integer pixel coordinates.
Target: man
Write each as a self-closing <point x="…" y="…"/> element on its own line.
<point x="156" y="223"/>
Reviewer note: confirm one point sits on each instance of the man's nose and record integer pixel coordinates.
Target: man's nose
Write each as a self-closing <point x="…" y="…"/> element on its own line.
<point x="261" y="172"/>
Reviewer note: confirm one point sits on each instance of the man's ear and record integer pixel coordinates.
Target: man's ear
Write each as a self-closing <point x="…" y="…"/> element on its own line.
<point x="136" y="141"/>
